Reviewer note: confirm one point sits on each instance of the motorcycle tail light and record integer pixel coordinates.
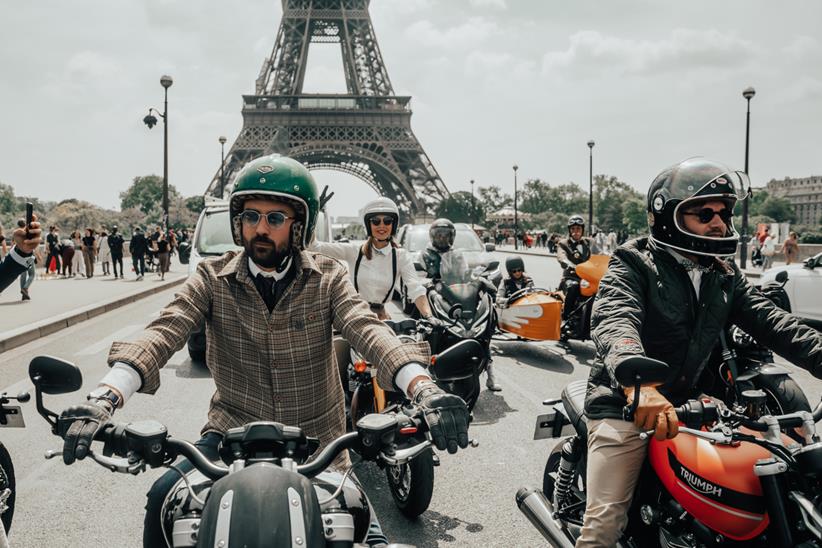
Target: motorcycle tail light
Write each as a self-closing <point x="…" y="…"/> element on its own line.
<point x="408" y="430"/>
<point x="433" y="359"/>
<point x="360" y="366"/>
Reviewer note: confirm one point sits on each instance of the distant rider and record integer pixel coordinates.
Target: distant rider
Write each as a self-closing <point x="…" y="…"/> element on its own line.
<point x="573" y="250"/>
<point x="517" y="279"/>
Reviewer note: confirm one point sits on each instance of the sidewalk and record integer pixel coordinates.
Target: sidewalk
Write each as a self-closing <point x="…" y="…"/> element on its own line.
<point x="57" y="303"/>
<point x="750" y="272"/>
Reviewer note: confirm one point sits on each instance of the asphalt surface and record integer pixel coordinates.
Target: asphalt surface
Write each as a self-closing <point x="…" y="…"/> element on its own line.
<point x="473" y="502"/>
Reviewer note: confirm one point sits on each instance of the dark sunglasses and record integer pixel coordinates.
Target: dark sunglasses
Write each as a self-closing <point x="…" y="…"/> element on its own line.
<point x="274" y="219"/>
<point x="377" y="221"/>
<point x="706" y="215"/>
<point x="514" y="271"/>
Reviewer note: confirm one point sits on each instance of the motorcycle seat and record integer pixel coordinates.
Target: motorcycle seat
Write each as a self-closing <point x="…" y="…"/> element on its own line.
<point x="573" y="398"/>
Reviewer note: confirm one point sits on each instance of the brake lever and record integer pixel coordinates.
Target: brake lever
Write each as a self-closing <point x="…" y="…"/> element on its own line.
<point x="721" y="438"/>
<point x="121" y="465"/>
<point x="402" y="456"/>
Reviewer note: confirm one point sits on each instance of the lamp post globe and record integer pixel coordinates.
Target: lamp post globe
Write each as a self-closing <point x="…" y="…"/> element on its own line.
<point x="748" y="94"/>
<point x="166" y="81"/>
<point x="591" y="186"/>
<point x="473" y="205"/>
<point x="515" y="167"/>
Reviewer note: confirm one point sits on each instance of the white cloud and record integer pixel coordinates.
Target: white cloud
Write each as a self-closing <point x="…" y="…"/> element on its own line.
<point x="405" y="6"/>
<point x="802" y="46"/>
<point x="498" y="4"/>
<point x="474" y="31"/>
<point x="498" y="66"/>
<point x="685" y="48"/>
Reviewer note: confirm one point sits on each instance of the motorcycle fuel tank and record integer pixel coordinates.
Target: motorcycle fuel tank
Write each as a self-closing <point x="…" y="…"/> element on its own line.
<point x="592" y="272"/>
<point x="716" y="484"/>
<point x="535" y="316"/>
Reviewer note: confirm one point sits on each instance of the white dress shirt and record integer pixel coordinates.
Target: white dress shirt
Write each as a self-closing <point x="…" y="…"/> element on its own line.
<point x="374" y="276"/>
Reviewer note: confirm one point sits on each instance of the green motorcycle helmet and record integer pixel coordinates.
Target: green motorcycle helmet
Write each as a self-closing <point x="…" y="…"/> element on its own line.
<point x="281" y="178"/>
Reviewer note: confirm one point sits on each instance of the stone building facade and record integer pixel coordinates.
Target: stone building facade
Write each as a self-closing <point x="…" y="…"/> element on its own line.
<point x="805" y="195"/>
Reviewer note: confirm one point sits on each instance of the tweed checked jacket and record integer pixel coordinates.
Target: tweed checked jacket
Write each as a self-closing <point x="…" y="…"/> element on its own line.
<point x="271" y="367"/>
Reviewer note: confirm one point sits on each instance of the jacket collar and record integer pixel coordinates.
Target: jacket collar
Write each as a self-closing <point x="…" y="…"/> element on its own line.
<point x="238" y="266"/>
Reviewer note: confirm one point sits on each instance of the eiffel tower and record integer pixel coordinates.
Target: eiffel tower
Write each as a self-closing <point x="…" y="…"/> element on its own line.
<point x="365" y="133"/>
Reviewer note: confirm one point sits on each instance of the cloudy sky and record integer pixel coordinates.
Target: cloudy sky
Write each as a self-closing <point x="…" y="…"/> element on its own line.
<point x="494" y="82"/>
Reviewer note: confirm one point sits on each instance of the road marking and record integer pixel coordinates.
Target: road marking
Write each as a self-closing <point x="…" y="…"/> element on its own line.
<point x="106" y="342"/>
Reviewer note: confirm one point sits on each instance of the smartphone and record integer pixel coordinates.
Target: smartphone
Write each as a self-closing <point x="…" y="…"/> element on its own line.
<point x="29" y="215"/>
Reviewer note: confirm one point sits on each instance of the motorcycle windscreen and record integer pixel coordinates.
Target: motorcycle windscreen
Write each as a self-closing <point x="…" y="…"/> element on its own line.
<point x="535" y="316"/>
<point x="466" y="295"/>
<point x="458" y="362"/>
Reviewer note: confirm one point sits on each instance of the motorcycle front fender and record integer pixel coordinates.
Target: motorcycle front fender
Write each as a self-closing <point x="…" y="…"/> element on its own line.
<point x="763" y="369"/>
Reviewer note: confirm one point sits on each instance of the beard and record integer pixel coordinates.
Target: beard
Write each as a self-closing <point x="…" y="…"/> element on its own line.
<point x="267" y="256"/>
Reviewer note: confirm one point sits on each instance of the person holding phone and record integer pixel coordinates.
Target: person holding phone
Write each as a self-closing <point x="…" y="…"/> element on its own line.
<point x="21" y="256"/>
<point x="27" y="277"/>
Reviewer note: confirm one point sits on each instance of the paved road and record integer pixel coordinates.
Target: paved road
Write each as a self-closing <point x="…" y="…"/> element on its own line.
<point x="473" y="502"/>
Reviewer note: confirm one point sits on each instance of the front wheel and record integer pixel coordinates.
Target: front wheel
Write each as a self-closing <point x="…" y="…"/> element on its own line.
<point x="7" y="487"/>
<point x="412" y="484"/>
<point x="784" y="394"/>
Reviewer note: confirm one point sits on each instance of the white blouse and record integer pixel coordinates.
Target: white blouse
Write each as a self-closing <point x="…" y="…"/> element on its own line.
<point x="374" y="277"/>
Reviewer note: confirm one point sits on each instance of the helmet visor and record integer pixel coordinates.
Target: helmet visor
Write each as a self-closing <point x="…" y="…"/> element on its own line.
<point x="731" y="185"/>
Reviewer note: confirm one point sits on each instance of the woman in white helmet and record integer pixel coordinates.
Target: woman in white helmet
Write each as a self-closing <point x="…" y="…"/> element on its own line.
<point x="376" y="265"/>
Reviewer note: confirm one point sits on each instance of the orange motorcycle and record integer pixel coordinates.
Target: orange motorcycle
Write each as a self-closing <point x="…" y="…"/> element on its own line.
<point x="536" y="314"/>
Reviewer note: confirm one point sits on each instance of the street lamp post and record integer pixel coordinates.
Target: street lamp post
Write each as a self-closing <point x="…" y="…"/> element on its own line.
<point x="748" y="94"/>
<point x="516" y="216"/>
<point x="222" y="140"/>
<point x="150" y="120"/>
<point x="590" y="187"/>
<point x="473" y="205"/>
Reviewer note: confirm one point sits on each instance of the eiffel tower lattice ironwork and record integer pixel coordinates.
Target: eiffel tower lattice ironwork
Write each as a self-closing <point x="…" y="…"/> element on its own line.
<point x="366" y="132"/>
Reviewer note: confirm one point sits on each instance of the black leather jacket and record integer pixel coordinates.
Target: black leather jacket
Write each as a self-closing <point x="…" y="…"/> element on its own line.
<point x="646" y="305"/>
<point x="571" y="252"/>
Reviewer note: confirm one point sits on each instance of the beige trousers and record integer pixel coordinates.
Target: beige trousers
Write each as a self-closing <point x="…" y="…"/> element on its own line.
<point x="615" y="457"/>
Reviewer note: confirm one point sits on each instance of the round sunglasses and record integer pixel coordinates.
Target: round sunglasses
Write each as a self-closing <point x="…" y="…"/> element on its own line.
<point x="706" y="215"/>
<point x="274" y="219"/>
<point x="377" y="221"/>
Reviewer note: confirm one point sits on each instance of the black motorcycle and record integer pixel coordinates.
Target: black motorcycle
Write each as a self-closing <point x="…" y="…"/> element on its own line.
<point x="411" y="483"/>
<point x="266" y="493"/>
<point x="10" y="417"/>
<point x="744" y="364"/>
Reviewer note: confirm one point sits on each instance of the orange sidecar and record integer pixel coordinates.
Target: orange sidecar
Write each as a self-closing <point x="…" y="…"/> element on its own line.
<point x="536" y="315"/>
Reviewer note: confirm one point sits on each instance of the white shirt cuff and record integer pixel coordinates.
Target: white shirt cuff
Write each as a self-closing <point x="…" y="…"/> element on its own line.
<point x="408" y="373"/>
<point x="124" y="378"/>
<point x="24" y="261"/>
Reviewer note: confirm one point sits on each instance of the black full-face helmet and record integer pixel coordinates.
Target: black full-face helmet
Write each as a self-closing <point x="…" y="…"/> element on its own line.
<point x="687" y="184"/>
<point x="442" y="234"/>
<point x="576" y="220"/>
<point x="514" y="263"/>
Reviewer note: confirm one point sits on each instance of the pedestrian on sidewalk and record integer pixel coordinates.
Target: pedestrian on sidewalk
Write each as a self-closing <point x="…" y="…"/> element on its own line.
<point x="52" y="249"/>
<point x="790" y="248"/>
<point x="67" y="253"/>
<point x="104" y="253"/>
<point x="163" y="254"/>
<point x="89" y="251"/>
<point x="4" y="248"/>
<point x="27" y="277"/>
<point x="768" y="249"/>
<point x="115" y="245"/>
<point x="77" y="260"/>
<point x="138" y="248"/>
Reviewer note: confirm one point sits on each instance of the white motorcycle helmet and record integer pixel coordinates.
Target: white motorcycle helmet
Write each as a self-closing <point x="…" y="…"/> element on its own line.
<point x="381" y="206"/>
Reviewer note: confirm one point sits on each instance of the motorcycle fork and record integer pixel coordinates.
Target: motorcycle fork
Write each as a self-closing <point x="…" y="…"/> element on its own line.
<point x="379" y="396"/>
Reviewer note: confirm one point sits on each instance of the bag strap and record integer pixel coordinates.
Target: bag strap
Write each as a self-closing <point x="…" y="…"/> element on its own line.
<point x="393" y="272"/>
<point x="357" y="269"/>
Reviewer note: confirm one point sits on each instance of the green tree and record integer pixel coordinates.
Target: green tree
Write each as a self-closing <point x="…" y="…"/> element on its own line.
<point x="758" y="198"/>
<point x="610" y="199"/>
<point x="493" y="198"/>
<point x="72" y="214"/>
<point x="635" y="216"/>
<point x="538" y="196"/>
<point x="458" y="206"/>
<point x="146" y="194"/>
<point x="195" y="204"/>
<point x="779" y="209"/>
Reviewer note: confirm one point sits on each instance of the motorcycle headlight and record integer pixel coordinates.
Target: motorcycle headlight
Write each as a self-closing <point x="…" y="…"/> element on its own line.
<point x="585" y="284"/>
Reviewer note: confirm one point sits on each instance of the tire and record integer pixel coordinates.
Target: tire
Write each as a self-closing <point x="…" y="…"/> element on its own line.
<point x="784" y="394"/>
<point x="7" y="481"/>
<point x="548" y="475"/>
<point x="196" y="355"/>
<point x="412" y="484"/>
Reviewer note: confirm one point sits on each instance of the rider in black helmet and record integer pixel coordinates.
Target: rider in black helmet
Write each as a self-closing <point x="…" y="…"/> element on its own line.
<point x="517" y="278"/>
<point x="571" y="251"/>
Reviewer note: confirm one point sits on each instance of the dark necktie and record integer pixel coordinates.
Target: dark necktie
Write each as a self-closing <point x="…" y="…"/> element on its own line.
<point x="265" y="286"/>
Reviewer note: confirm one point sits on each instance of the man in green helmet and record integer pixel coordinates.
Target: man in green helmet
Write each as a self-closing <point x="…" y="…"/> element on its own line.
<point x="268" y="312"/>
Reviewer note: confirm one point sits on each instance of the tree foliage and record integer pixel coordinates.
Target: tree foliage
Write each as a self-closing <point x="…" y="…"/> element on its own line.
<point x="779" y="209"/>
<point x="493" y="198"/>
<point x="146" y="194"/>
<point x="458" y="208"/>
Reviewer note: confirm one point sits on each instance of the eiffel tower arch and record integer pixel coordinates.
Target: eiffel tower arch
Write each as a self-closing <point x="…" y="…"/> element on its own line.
<point x="365" y="132"/>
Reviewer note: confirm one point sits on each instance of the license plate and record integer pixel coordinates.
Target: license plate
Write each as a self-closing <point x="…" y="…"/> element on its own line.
<point x="552" y="425"/>
<point x="14" y="418"/>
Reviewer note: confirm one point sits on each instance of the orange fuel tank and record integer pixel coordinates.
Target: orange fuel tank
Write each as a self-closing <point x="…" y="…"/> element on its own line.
<point x="536" y="316"/>
<point x="716" y="484"/>
<point x="592" y="272"/>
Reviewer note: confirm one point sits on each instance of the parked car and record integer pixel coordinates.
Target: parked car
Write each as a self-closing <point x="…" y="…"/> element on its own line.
<point x="212" y="238"/>
<point x="414" y="239"/>
<point x="804" y="288"/>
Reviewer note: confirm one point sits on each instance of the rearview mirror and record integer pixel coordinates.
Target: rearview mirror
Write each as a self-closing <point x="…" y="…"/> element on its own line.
<point x="490" y="247"/>
<point x="418" y="267"/>
<point x="782" y="276"/>
<point x="54" y="376"/>
<point x="640" y="370"/>
<point x="184" y="252"/>
<point x="457" y="362"/>
<point x="493" y="265"/>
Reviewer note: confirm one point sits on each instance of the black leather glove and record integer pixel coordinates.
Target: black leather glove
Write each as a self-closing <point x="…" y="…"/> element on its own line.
<point x="434" y="321"/>
<point x="445" y="414"/>
<point x="78" y="425"/>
